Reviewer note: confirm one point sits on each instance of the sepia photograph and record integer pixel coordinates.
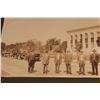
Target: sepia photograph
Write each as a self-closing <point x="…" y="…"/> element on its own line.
<point x="50" y="48"/>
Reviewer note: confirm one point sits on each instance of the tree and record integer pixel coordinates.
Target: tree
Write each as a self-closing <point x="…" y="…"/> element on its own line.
<point x="52" y="44"/>
<point x="64" y="46"/>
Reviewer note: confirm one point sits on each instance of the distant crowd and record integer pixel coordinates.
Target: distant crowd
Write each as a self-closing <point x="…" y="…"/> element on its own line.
<point x="16" y="54"/>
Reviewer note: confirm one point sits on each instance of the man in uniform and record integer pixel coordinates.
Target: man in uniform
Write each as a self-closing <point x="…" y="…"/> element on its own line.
<point x="94" y="59"/>
<point x="68" y="60"/>
<point x="58" y="60"/>
<point x="45" y="61"/>
<point x="81" y="61"/>
<point x="32" y="58"/>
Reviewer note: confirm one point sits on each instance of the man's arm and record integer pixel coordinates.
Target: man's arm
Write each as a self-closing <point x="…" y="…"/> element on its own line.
<point x="98" y="58"/>
<point x="90" y="57"/>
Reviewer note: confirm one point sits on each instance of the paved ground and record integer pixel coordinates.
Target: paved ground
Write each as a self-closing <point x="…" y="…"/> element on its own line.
<point x="18" y="68"/>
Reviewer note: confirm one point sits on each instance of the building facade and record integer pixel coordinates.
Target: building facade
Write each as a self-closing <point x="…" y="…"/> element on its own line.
<point x="87" y="37"/>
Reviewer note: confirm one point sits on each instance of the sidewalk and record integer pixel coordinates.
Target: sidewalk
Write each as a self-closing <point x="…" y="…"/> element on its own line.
<point x="18" y="68"/>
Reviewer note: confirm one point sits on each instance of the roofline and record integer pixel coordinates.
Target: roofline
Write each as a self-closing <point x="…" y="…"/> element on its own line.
<point x="73" y="30"/>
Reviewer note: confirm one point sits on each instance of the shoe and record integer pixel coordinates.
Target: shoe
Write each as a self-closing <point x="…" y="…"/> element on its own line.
<point x="70" y="73"/>
<point x="93" y="73"/>
<point x="34" y="71"/>
<point x="57" y="72"/>
<point x="48" y="71"/>
<point x="79" y="73"/>
<point x="83" y="73"/>
<point x="97" y="74"/>
<point x="44" y="72"/>
<point x="67" y="72"/>
<point x="29" y="72"/>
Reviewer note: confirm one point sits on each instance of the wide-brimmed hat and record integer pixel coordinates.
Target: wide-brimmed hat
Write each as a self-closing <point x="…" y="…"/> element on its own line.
<point x="81" y="51"/>
<point x="93" y="50"/>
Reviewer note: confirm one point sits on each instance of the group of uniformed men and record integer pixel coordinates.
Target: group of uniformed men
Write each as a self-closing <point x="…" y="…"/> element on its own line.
<point x="81" y="58"/>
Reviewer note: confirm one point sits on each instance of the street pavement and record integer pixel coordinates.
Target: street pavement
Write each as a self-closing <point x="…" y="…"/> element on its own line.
<point x="19" y="68"/>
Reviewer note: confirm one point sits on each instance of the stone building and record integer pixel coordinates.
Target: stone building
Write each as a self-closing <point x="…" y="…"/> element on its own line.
<point x="87" y="36"/>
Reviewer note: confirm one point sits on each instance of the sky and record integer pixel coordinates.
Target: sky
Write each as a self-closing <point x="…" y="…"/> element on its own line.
<point x="23" y="29"/>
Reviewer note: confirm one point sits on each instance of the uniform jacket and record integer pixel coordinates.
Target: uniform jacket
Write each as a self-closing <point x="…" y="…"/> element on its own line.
<point x="96" y="59"/>
<point x="58" y="58"/>
<point x="30" y="59"/>
<point x="45" y="58"/>
<point x="81" y="58"/>
<point x="67" y="58"/>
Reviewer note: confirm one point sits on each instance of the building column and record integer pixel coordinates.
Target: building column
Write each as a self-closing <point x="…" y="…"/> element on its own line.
<point x="95" y="39"/>
<point x="73" y="41"/>
<point x="83" y="42"/>
<point x="78" y="38"/>
<point x="68" y="42"/>
<point x="89" y="41"/>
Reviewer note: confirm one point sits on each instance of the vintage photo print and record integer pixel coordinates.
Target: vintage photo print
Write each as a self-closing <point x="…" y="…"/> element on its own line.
<point x="50" y="50"/>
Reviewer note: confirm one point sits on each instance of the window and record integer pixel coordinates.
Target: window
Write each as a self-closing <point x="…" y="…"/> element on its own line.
<point x="71" y="41"/>
<point x="92" y="39"/>
<point x="75" y="40"/>
<point x="98" y="39"/>
<point x="81" y="39"/>
<point x="86" y="40"/>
